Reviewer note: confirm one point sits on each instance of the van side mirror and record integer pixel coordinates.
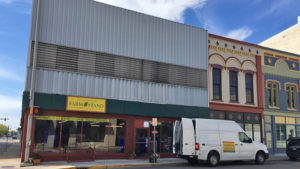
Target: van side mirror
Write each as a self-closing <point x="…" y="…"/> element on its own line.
<point x="250" y="140"/>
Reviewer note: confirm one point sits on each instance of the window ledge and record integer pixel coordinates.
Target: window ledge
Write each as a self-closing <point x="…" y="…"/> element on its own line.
<point x="292" y="109"/>
<point x="215" y="100"/>
<point x="274" y="107"/>
<point x="250" y="103"/>
<point x="236" y="102"/>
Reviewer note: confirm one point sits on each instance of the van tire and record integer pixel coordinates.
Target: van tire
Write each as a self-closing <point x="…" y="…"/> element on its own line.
<point x="260" y="157"/>
<point x="213" y="159"/>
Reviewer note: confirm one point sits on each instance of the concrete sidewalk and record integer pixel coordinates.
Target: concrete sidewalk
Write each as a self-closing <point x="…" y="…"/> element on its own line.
<point x="15" y="163"/>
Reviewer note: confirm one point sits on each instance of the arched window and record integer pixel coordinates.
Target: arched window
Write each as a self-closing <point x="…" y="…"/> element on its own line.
<point x="273" y="88"/>
<point x="291" y="96"/>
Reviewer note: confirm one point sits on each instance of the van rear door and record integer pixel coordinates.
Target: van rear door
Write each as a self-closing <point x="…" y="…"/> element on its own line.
<point x="176" y="136"/>
<point x="188" y="137"/>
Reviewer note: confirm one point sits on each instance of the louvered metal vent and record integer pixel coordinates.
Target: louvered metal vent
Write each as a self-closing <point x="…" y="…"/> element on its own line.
<point x="83" y="61"/>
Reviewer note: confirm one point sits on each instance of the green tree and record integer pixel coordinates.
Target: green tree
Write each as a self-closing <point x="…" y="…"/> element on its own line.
<point x="3" y="130"/>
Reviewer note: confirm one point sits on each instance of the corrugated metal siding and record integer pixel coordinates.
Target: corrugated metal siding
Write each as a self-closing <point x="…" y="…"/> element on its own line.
<point x="97" y="63"/>
<point x="94" y="26"/>
<point x="67" y="83"/>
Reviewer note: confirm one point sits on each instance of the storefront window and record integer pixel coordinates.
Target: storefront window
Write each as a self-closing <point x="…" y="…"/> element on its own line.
<point x="256" y="129"/>
<point x="280" y="136"/>
<point x="268" y="130"/>
<point x="103" y="135"/>
<point x="298" y="127"/>
<point x="70" y="136"/>
<point x="269" y="140"/>
<point x="164" y="137"/>
<point x="248" y="130"/>
<point x="290" y="131"/>
<point x="46" y="137"/>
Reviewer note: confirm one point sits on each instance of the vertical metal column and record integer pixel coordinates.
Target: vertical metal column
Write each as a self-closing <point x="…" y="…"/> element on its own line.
<point x="32" y="84"/>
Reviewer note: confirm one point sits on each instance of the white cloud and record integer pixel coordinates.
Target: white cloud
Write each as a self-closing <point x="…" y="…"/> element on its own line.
<point x="239" y="34"/>
<point x="167" y="9"/>
<point x="9" y="75"/>
<point x="275" y="8"/>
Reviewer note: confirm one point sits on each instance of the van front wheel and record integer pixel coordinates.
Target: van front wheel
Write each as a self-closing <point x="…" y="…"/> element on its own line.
<point x="213" y="159"/>
<point x="260" y="158"/>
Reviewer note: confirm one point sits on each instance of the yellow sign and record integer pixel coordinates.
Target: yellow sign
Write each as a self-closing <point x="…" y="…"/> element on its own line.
<point x="86" y="104"/>
<point x="228" y="146"/>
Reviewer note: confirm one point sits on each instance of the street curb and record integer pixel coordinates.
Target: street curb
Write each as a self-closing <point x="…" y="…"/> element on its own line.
<point x="125" y="165"/>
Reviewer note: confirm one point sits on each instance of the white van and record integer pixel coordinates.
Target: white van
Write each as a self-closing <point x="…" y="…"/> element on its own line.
<point x="214" y="141"/>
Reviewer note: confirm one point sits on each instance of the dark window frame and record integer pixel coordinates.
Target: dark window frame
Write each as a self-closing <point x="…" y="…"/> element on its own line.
<point x="217" y="83"/>
<point x="233" y="85"/>
<point x="273" y="91"/>
<point x="249" y="88"/>
<point x="291" y="96"/>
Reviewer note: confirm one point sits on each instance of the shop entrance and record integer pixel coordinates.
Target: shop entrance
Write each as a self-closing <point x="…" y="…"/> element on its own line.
<point x="141" y="145"/>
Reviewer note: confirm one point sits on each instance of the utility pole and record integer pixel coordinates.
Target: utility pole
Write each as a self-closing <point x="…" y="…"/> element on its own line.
<point x="32" y="83"/>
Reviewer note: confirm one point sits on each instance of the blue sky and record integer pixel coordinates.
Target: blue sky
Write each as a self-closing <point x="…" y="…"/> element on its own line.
<point x="252" y="21"/>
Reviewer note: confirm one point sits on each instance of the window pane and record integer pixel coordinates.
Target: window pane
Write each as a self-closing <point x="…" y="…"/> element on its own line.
<point x="298" y="130"/>
<point x="107" y="135"/>
<point x="46" y="138"/>
<point x="288" y="96"/>
<point x="233" y="94"/>
<point x="70" y="137"/>
<point x="290" y="131"/>
<point x="248" y="130"/>
<point x="270" y="96"/>
<point x="249" y="88"/>
<point x="233" y="86"/>
<point x="269" y="140"/>
<point x="117" y="140"/>
<point x="217" y="90"/>
<point x="294" y="97"/>
<point x="280" y="136"/>
<point x="257" y="136"/>
<point x="267" y="119"/>
<point x="297" y="120"/>
<point x="166" y="140"/>
<point x="216" y="76"/>
<point x="268" y="127"/>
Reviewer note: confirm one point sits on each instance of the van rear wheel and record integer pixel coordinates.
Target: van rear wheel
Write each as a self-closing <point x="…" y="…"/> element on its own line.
<point x="260" y="158"/>
<point x="213" y="159"/>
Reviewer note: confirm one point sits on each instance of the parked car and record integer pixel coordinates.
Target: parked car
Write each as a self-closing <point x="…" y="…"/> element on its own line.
<point x="14" y="137"/>
<point x="293" y="148"/>
<point x="214" y="141"/>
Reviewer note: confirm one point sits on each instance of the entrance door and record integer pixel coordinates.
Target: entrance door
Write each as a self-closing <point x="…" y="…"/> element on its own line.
<point x="141" y="145"/>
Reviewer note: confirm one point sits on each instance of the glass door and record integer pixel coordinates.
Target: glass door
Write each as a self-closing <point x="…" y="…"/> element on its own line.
<point x="141" y="142"/>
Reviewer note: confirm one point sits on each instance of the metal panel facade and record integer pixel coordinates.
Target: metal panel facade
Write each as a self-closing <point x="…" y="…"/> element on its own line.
<point x="67" y="83"/>
<point x="95" y="26"/>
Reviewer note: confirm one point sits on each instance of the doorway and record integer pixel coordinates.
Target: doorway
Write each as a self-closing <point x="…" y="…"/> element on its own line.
<point x="141" y="145"/>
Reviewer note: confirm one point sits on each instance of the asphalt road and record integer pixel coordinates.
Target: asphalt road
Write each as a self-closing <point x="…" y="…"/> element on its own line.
<point x="284" y="164"/>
